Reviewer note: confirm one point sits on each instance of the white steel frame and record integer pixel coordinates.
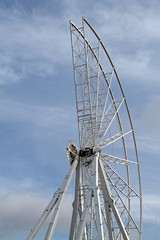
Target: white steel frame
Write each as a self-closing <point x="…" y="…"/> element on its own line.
<point x="102" y="207"/>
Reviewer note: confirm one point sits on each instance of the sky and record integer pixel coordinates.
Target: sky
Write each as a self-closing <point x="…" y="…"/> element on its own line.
<point x="37" y="101"/>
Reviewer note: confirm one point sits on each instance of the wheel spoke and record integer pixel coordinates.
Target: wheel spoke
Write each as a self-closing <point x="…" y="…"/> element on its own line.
<point x="116" y="111"/>
<point x="104" y="109"/>
<point x="113" y="139"/>
<point x="114" y="159"/>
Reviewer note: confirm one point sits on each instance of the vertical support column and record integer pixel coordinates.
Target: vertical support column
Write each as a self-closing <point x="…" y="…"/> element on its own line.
<point x="95" y="189"/>
<point x="75" y="205"/>
<point x="82" y="224"/>
<point x="109" y="221"/>
<point x="91" y="226"/>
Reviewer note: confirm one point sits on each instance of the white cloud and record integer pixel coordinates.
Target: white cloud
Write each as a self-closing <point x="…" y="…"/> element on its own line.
<point x="150" y="208"/>
<point x="137" y="67"/>
<point x="21" y="212"/>
<point x="37" y="115"/>
<point x="135" y="22"/>
<point x="13" y="186"/>
<point x="132" y="38"/>
<point x="31" y="44"/>
<point x="8" y="75"/>
<point x="147" y="126"/>
<point x="148" y="144"/>
<point x="149" y="119"/>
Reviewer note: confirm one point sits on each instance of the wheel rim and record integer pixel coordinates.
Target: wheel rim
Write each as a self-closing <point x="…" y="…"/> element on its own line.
<point x="105" y="125"/>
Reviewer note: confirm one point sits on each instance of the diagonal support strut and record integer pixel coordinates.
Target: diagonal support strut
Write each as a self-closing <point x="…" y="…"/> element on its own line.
<point x="108" y="199"/>
<point x="55" y="204"/>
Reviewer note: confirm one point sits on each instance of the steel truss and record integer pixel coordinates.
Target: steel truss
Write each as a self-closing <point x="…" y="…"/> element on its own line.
<point x="107" y="202"/>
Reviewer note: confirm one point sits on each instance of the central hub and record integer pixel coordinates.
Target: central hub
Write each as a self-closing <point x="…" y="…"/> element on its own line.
<point x="87" y="152"/>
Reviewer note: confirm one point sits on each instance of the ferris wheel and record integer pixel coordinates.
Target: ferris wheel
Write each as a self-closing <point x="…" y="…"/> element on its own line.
<point x="107" y="202"/>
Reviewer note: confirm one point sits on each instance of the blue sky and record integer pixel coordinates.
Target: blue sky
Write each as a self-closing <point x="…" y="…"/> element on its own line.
<point x="37" y="101"/>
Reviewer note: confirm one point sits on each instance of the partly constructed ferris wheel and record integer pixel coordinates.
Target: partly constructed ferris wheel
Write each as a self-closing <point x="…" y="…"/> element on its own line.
<point x="107" y="203"/>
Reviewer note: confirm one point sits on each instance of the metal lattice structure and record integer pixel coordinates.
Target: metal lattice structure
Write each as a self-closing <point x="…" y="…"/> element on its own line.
<point x="107" y="203"/>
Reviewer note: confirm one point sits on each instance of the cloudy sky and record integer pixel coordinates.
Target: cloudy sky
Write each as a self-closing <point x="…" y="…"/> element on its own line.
<point x="37" y="101"/>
